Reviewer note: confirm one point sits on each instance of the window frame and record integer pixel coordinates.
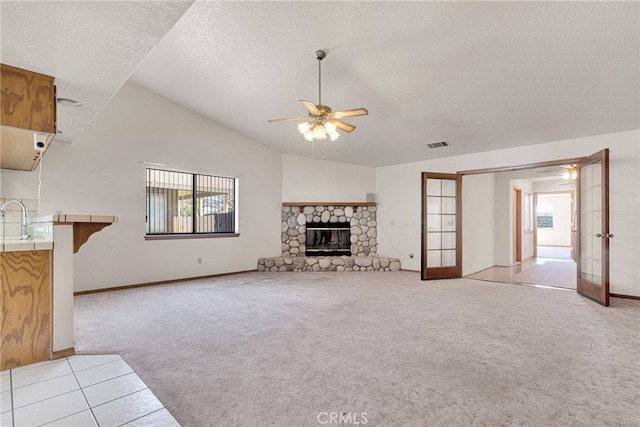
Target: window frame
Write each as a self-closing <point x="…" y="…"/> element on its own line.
<point x="194" y="234"/>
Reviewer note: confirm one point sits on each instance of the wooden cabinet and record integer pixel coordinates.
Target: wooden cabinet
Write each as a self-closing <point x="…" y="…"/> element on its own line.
<point x="26" y="308"/>
<point x="28" y="106"/>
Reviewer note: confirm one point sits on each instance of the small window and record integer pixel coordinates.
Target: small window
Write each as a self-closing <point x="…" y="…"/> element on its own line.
<point x="180" y="203"/>
<point x="544" y="216"/>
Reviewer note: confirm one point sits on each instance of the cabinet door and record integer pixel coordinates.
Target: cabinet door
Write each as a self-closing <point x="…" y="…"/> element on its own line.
<point x="26" y="327"/>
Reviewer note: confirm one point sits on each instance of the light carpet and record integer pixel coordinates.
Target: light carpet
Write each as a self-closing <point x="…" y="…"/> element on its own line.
<point x="282" y="349"/>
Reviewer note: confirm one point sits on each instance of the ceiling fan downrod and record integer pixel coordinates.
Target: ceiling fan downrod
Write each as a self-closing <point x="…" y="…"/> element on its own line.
<point x="320" y="55"/>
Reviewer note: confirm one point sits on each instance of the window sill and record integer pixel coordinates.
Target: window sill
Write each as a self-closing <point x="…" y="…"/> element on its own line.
<point x="189" y="236"/>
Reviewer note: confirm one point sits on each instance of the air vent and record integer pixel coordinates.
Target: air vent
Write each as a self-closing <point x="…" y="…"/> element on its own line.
<point x="438" y="144"/>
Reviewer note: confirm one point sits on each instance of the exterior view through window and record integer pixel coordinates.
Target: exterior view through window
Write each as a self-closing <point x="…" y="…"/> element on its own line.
<point x="544" y="216"/>
<point x="186" y="203"/>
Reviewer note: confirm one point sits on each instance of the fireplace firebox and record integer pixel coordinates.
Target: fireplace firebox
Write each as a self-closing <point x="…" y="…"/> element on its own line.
<point x="328" y="239"/>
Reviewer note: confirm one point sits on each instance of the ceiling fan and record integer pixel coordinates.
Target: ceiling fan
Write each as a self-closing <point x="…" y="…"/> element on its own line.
<point x="565" y="171"/>
<point x="323" y="121"/>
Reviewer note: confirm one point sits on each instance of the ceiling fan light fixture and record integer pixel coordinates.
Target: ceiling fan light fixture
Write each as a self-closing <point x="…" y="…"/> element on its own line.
<point x="323" y="120"/>
<point x="304" y="127"/>
<point x="319" y="132"/>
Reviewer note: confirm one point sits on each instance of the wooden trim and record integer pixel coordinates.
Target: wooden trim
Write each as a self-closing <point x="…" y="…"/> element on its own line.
<point x="189" y="236"/>
<point x="522" y="167"/>
<point x="625" y="296"/>
<point x="517" y="223"/>
<point x="329" y="203"/>
<point x="83" y="230"/>
<point x="161" y="282"/>
<point x="63" y="353"/>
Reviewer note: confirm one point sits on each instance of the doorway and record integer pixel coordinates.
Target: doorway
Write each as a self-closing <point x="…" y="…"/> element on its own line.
<point x="590" y="217"/>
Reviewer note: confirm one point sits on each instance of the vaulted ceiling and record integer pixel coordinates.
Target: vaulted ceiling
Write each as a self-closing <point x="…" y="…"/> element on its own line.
<point x="479" y="75"/>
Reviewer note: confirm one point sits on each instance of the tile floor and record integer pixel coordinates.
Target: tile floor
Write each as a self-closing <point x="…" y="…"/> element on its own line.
<point x="81" y="390"/>
<point x="545" y="272"/>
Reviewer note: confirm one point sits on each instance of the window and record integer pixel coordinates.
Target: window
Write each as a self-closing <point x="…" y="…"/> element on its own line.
<point x="185" y="203"/>
<point x="544" y="216"/>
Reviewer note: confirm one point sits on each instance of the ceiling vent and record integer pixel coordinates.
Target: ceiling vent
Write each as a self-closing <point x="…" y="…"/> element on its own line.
<point x="438" y="144"/>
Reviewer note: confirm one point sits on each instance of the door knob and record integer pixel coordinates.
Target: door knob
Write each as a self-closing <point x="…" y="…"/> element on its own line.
<point x="605" y="235"/>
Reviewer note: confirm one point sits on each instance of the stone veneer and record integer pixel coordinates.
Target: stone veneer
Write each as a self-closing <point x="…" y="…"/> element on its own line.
<point x="364" y="243"/>
<point x="329" y="263"/>
<point x="361" y="218"/>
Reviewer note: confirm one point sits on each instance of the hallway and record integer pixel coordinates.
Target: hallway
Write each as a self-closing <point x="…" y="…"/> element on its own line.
<point x="557" y="272"/>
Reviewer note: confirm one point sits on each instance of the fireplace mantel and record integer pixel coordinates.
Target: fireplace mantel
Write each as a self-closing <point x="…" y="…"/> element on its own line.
<point x="328" y="203"/>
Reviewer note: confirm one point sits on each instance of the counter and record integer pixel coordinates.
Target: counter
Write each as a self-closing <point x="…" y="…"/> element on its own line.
<point x="42" y="267"/>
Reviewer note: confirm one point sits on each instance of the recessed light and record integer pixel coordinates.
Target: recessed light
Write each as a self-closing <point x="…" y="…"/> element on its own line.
<point x="68" y="102"/>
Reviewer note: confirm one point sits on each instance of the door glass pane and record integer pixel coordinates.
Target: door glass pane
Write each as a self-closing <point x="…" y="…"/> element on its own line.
<point x="448" y="223"/>
<point x="449" y="205"/>
<point x="434" y="205"/>
<point x="448" y="188"/>
<point x="448" y="240"/>
<point x="449" y="258"/>
<point x="433" y="187"/>
<point x="433" y="241"/>
<point x="434" y="259"/>
<point x="434" y="222"/>
<point x="591" y="223"/>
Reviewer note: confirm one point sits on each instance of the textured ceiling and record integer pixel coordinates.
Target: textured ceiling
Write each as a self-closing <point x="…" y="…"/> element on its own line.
<point x="480" y="75"/>
<point x="91" y="48"/>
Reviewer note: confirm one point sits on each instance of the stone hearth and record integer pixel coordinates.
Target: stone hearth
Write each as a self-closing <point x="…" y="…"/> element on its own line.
<point x="329" y="263"/>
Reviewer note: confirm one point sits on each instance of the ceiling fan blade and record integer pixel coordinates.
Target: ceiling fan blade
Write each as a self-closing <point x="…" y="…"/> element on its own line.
<point x="343" y="126"/>
<point x="349" y="113"/>
<point x="311" y="107"/>
<point x="287" y="119"/>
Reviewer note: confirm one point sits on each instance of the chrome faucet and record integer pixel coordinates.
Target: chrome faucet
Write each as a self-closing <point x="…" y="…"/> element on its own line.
<point x="24" y="218"/>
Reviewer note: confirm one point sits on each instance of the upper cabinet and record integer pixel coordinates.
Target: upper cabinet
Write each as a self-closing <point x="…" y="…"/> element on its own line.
<point x="28" y="117"/>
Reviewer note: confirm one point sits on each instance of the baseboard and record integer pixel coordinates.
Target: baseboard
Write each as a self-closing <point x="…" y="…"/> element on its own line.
<point x="63" y="353"/>
<point x="624" y="296"/>
<point x="161" y="282"/>
<point x="409" y="270"/>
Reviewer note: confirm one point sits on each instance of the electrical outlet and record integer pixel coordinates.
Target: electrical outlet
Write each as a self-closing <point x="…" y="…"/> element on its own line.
<point x="199" y="260"/>
<point x="410" y="255"/>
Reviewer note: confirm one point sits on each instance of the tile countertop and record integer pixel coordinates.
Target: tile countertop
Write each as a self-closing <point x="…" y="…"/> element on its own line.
<point x="43" y="241"/>
<point x="33" y="244"/>
<point x="69" y="218"/>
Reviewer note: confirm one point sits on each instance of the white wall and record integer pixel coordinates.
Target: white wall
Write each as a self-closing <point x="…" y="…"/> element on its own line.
<point x="398" y="192"/>
<point x="478" y="222"/>
<point x="101" y="173"/>
<point x="560" y="234"/>
<point x="315" y="180"/>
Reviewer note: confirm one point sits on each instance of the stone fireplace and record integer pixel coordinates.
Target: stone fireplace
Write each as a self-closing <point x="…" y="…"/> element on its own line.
<point x="329" y="237"/>
<point x="360" y="219"/>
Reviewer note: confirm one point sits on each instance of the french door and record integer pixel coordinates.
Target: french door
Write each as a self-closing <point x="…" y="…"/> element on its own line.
<point x="593" y="227"/>
<point x="441" y="226"/>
